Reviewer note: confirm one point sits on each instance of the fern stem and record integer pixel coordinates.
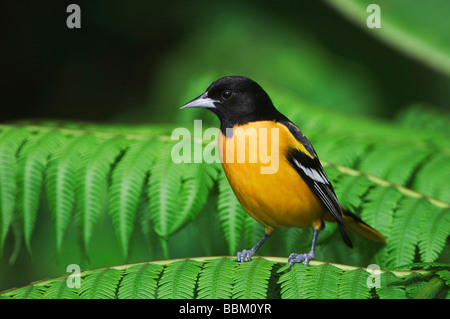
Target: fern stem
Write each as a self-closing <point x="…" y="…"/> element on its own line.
<point x="70" y="131"/>
<point x="398" y="273"/>
<point x="382" y="182"/>
<point x="165" y="246"/>
<point x="431" y="289"/>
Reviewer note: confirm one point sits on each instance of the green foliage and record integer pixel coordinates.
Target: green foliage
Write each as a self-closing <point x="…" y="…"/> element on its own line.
<point x="81" y="171"/>
<point x="88" y="169"/>
<point x="401" y="30"/>
<point x="223" y="278"/>
<point x="84" y="168"/>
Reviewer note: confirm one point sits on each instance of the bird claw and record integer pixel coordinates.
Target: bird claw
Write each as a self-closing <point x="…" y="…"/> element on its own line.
<point x="296" y="258"/>
<point x="241" y="255"/>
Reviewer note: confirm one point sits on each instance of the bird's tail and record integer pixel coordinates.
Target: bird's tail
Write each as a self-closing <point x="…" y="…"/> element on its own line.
<point x="357" y="225"/>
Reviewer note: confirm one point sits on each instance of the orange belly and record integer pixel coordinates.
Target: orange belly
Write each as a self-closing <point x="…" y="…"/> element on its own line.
<point x="271" y="191"/>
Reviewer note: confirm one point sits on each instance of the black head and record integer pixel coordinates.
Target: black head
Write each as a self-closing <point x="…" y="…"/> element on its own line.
<point x="236" y="100"/>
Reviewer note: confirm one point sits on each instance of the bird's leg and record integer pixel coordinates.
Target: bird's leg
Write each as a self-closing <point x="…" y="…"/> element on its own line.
<point x="241" y="255"/>
<point x="295" y="258"/>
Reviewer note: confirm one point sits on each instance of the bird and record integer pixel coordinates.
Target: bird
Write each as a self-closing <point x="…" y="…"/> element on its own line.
<point x="297" y="192"/>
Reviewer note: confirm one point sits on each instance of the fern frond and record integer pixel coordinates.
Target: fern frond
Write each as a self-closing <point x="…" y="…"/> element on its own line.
<point x="350" y="190"/>
<point x="426" y="118"/>
<point x="10" y="141"/>
<point x="140" y="282"/>
<point x="405" y="230"/>
<point x="255" y="284"/>
<point x="231" y="214"/>
<point x="31" y="164"/>
<point x="394" y="163"/>
<point x="223" y="277"/>
<point x="410" y="206"/>
<point x="445" y="275"/>
<point x="91" y="182"/>
<point x="292" y="283"/>
<point x="58" y="289"/>
<point x="100" y="284"/>
<point x="216" y="279"/>
<point x="321" y="282"/>
<point x="434" y="230"/>
<point x="379" y="207"/>
<point x="164" y="187"/>
<point x="198" y="179"/>
<point x="433" y="177"/>
<point x="127" y="181"/>
<point x="60" y="182"/>
<point x="392" y="287"/>
<point x="353" y="285"/>
<point x="338" y="150"/>
<point x="178" y="280"/>
<point x="177" y="192"/>
<point x="30" y="292"/>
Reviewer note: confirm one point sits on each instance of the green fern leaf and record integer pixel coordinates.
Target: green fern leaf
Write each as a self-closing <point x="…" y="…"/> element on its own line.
<point x="60" y="182"/>
<point x="405" y="230"/>
<point x="392" y="287"/>
<point x="10" y="141"/>
<point x="216" y="279"/>
<point x="177" y="192"/>
<point x="379" y="206"/>
<point x="353" y="285"/>
<point x="427" y="118"/>
<point x="434" y="230"/>
<point x="58" y="289"/>
<point x="445" y="275"/>
<point x="350" y="190"/>
<point x="416" y="283"/>
<point x="433" y="177"/>
<point x="140" y="282"/>
<point x="322" y="282"/>
<point x="394" y="163"/>
<point x="127" y="182"/>
<point x="178" y="280"/>
<point x="292" y="282"/>
<point x="31" y="164"/>
<point x="231" y="214"/>
<point x="223" y="277"/>
<point x="252" y="279"/>
<point x="100" y="284"/>
<point x="198" y="179"/>
<point x="339" y="151"/>
<point x="30" y="292"/>
<point x="92" y="183"/>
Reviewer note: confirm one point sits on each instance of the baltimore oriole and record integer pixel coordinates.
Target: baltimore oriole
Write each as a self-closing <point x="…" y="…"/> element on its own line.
<point x="297" y="193"/>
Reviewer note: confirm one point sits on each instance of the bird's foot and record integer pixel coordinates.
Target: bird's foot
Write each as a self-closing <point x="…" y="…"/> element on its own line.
<point x="241" y="255"/>
<point x="296" y="258"/>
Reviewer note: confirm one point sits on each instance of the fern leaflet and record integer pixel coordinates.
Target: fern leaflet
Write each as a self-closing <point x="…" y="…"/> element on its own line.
<point x="140" y="282"/>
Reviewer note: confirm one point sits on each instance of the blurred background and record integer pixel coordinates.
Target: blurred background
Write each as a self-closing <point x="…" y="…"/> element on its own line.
<point x="139" y="61"/>
<point x="135" y="61"/>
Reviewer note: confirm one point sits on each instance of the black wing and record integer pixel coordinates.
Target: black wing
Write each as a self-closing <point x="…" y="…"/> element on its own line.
<point x="315" y="177"/>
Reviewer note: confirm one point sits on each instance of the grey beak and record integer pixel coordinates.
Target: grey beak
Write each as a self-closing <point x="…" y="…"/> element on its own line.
<point x="202" y="101"/>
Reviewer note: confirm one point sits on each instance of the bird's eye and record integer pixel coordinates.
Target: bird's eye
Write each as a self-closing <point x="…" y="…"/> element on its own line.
<point x="226" y="94"/>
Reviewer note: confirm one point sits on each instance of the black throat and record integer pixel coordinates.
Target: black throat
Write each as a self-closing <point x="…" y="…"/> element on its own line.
<point x="229" y="121"/>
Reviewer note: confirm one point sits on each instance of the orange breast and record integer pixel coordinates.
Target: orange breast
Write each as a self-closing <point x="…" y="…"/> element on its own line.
<point x="264" y="182"/>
